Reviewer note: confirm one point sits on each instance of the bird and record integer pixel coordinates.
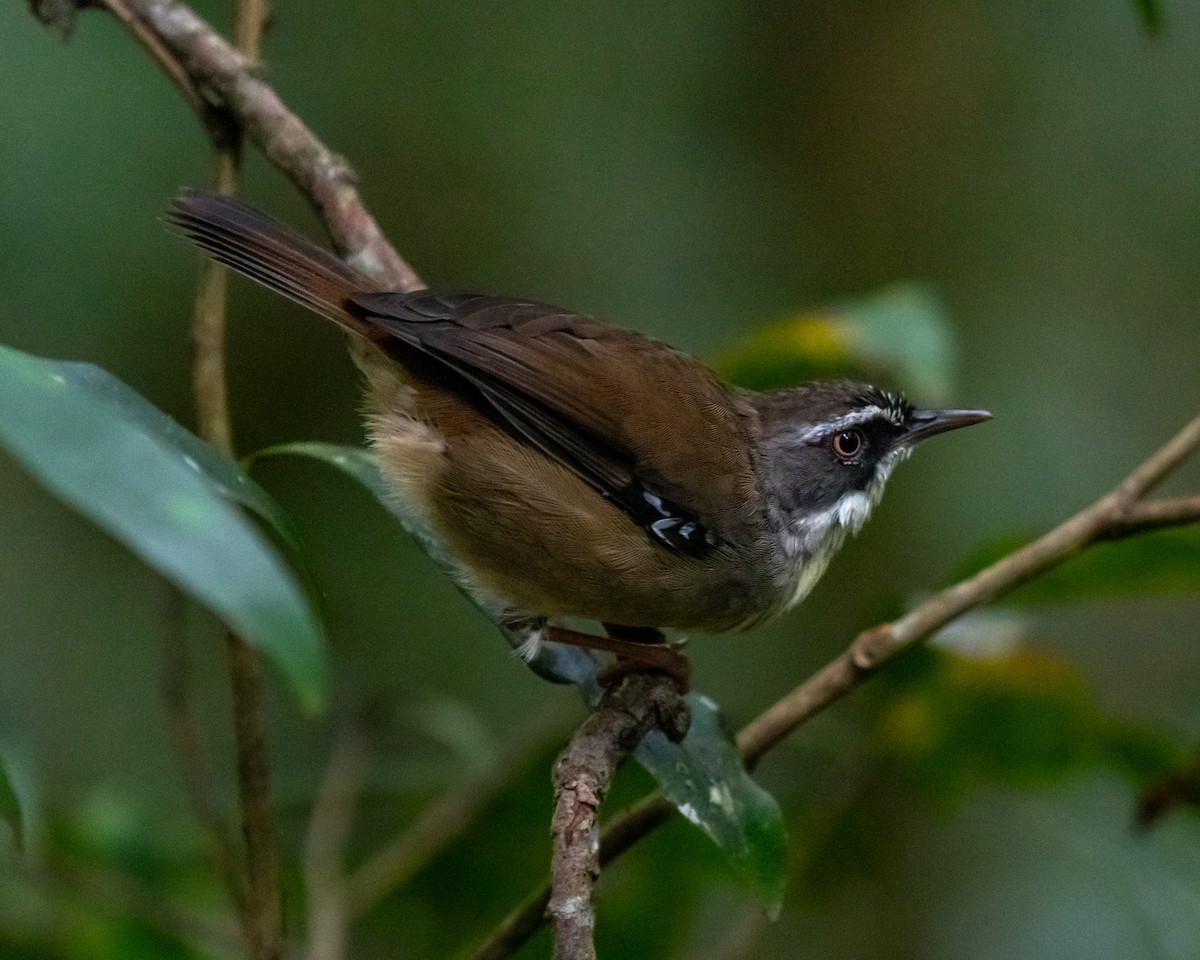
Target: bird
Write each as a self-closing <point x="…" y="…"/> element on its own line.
<point x="560" y="467"/>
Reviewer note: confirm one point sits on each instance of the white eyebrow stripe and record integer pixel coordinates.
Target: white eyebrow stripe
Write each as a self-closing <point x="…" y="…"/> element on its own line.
<point x="818" y="431"/>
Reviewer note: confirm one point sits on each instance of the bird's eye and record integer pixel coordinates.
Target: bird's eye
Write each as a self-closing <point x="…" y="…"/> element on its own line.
<point x="847" y="444"/>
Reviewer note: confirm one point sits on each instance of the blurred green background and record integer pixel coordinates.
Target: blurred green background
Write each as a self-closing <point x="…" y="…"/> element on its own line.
<point x="694" y="170"/>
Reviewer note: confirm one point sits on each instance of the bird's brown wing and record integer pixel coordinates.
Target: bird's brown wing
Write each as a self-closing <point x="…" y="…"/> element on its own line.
<point x="651" y="429"/>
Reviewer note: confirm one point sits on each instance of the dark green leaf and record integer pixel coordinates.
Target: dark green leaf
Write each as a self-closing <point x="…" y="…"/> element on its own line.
<point x="78" y="433"/>
<point x="704" y="777"/>
<point x="10" y="806"/>
<point x="1166" y="561"/>
<point x="900" y="335"/>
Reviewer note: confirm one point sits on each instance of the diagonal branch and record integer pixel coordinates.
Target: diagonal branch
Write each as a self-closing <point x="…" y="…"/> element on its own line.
<point x="639" y="703"/>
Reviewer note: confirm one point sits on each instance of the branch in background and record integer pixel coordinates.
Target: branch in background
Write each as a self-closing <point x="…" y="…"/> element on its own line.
<point x="264" y="900"/>
<point x="325" y="846"/>
<point x="335" y="899"/>
<point x="627" y="712"/>
<point x="189" y="747"/>
<point x="261" y="906"/>
<point x="263" y="918"/>
<point x="1121" y="513"/>
<point x="208" y="328"/>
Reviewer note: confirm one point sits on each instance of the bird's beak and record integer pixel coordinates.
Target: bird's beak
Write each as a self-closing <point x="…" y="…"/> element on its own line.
<point x="926" y="423"/>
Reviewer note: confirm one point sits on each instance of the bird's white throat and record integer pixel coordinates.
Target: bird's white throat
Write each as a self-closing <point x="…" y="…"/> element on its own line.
<point x="808" y="541"/>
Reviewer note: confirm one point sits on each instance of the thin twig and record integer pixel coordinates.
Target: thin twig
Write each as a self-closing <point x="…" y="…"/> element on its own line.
<point x="638" y="704"/>
<point x="1116" y="515"/>
<point x="263" y="919"/>
<point x="201" y="64"/>
<point x="208" y="323"/>
<point x="322" y="176"/>
<point x="189" y="747"/>
<point x="325" y="846"/>
<point x="1151" y="515"/>
<point x="254" y="798"/>
<point x="251" y="19"/>
<point x="1083" y="529"/>
<point x="216" y="122"/>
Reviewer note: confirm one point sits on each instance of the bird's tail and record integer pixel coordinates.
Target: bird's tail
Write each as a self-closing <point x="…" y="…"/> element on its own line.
<point x="274" y="255"/>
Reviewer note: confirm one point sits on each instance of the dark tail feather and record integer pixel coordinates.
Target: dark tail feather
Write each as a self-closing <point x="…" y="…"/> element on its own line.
<point x="266" y="251"/>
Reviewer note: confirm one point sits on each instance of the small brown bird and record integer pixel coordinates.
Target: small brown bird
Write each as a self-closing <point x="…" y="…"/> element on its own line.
<point x="561" y="467"/>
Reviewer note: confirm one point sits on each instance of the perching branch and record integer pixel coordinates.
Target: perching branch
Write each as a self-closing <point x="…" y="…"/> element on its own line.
<point x="1119" y="514"/>
<point x="637" y="704"/>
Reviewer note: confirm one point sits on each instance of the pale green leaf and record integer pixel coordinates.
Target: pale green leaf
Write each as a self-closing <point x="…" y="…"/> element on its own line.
<point x="76" y="431"/>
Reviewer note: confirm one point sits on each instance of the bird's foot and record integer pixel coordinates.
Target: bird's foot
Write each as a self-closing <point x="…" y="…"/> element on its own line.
<point x="638" y="650"/>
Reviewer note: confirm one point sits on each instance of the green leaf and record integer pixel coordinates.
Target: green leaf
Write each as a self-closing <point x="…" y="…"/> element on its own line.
<point x="900" y="335"/>
<point x="1165" y="561"/>
<point x="221" y="471"/>
<point x="10" y="806"/>
<point x="1151" y="15"/>
<point x="704" y="777"/>
<point x="76" y="430"/>
<point x="356" y="462"/>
